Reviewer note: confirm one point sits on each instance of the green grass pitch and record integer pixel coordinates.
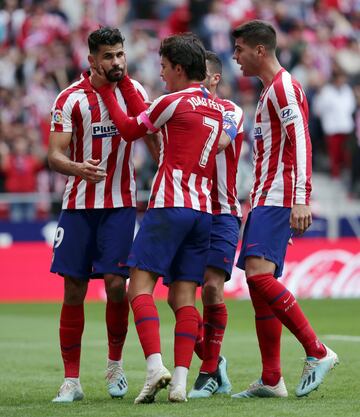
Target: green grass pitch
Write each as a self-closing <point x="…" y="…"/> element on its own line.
<point x="31" y="367"/>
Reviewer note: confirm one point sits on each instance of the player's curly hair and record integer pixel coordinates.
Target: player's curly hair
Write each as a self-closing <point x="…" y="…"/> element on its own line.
<point x="104" y="36"/>
<point x="187" y="50"/>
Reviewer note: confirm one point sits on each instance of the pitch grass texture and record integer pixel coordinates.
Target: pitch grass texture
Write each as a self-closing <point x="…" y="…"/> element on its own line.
<point x="31" y="369"/>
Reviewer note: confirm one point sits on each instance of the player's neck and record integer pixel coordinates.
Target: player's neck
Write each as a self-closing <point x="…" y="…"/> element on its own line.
<point x="96" y="83"/>
<point x="185" y="83"/>
<point x="269" y="71"/>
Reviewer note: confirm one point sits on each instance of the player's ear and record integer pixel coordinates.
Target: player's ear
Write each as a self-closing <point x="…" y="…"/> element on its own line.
<point x="91" y="61"/>
<point x="178" y="69"/>
<point x="261" y="50"/>
<point x="217" y="78"/>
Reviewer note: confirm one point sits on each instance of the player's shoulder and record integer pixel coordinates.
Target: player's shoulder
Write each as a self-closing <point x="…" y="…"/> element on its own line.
<point x="286" y="89"/>
<point x="73" y="92"/>
<point x="230" y="105"/>
<point x="286" y="81"/>
<point x="140" y="88"/>
<point x="169" y="98"/>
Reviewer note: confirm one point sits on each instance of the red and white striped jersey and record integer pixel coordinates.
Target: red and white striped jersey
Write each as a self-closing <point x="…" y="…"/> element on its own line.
<point x="79" y="109"/>
<point x="191" y="124"/>
<point x="224" y="191"/>
<point x="282" y="145"/>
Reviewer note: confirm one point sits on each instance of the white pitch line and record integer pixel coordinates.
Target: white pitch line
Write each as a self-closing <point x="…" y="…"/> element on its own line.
<point x="342" y="337"/>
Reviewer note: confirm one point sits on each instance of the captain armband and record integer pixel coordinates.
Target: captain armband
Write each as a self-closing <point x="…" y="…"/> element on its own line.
<point x="230" y="127"/>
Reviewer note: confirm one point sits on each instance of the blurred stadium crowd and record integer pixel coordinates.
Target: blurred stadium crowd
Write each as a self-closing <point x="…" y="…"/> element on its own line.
<point x="43" y="48"/>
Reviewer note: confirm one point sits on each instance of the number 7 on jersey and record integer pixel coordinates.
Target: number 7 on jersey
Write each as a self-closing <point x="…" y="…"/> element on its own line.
<point x="214" y="126"/>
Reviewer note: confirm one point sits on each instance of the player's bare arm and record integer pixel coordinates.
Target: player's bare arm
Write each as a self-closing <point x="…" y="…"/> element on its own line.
<point x="88" y="170"/>
<point x="152" y="142"/>
<point x="224" y="141"/>
<point x="300" y="218"/>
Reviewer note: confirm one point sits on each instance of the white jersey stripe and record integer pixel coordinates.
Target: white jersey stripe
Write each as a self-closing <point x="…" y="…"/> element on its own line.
<point x="116" y="190"/>
<point x="206" y="192"/>
<point x="68" y="187"/>
<point x="167" y="113"/>
<point x="160" y="195"/>
<point x="194" y="196"/>
<point x="178" y="193"/>
<point x="79" y="200"/>
<point x="132" y="178"/>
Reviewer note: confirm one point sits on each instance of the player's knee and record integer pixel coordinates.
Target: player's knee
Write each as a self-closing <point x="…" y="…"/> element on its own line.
<point x="74" y="291"/>
<point x="212" y="292"/>
<point x="257" y="266"/>
<point x="115" y="287"/>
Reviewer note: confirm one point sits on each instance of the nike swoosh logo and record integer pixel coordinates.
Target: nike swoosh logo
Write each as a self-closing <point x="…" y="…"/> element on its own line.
<point x="250" y="245"/>
<point x="285" y="301"/>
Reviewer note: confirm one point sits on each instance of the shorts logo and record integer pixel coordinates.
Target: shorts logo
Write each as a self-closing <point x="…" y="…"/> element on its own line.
<point x="57" y="117"/>
<point x="251" y="245"/>
<point x="104" y="130"/>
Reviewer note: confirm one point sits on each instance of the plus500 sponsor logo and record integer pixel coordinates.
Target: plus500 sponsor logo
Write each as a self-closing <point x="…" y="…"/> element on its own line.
<point x="103" y="130"/>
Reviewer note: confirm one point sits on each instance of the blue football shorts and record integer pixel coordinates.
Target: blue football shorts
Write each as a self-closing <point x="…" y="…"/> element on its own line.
<point x="173" y="243"/>
<point x="224" y="238"/>
<point x="92" y="242"/>
<point x="266" y="235"/>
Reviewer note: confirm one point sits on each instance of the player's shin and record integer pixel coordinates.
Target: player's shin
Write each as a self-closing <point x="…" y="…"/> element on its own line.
<point x="215" y="320"/>
<point x="71" y="329"/>
<point x="288" y="311"/>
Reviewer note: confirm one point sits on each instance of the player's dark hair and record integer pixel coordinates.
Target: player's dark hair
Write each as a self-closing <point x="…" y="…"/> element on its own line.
<point x="214" y="61"/>
<point x="104" y="36"/>
<point x="256" y="32"/>
<point x="188" y="51"/>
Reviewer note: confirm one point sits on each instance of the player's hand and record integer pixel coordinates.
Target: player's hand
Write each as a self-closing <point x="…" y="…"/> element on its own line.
<point x="90" y="171"/>
<point x="98" y="75"/>
<point x="300" y="218"/>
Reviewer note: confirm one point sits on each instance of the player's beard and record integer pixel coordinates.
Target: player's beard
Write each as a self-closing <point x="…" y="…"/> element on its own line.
<point x="112" y="77"/>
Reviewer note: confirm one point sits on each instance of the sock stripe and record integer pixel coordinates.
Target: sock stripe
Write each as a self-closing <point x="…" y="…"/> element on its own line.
<point x="265" y="317"/>
<point x="146" y="319"/>
<point x="278" y="296"/>
<point x="188" y="335"/>
<point x="214" y="326"/>
<point x="67" y="348"/>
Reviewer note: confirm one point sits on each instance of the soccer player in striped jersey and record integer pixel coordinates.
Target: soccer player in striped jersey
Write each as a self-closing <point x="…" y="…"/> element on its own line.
<point x="174" y="236"/>
<point x="280" y="205"/>
<point x="96" y="225"/>
<point x="224" y="239"/>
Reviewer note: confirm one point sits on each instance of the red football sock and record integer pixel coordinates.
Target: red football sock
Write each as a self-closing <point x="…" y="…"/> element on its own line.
<point x="268" y="330"/>
<point x="117" y="317"/>
<point x="199" y="344"/>
<point x="186" y="331"/>
<point x="147" y="323"/>
<point x="71" y="329"/>
<point x="288" y="311"/>
<point x="215" y="319"/>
